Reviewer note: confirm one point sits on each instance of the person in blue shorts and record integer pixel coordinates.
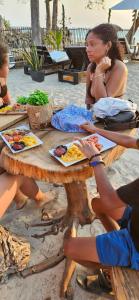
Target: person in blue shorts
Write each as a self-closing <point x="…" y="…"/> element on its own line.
<point x="116" y="247"/>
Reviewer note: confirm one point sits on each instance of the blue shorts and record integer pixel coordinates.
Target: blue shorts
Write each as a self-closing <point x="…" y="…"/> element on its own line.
<point x="116" y="248"/>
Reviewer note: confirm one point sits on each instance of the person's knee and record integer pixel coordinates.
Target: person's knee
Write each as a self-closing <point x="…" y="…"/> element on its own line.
<point x="68" y="247"/>
<point x="96" y="205"/>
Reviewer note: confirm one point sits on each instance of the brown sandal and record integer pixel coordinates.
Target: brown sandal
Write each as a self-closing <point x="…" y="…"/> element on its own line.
<point x="97" y="284"/>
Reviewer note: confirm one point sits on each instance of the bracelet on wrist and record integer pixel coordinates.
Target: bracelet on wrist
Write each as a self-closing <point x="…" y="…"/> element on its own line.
<point x="94" y="155"/>
<point x="96" y="163"/>
<point x="99" y="75"/>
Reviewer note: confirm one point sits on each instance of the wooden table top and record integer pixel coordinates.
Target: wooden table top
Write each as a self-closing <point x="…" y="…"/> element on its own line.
<point x="38" y="164"/>
<point x="8" y="120"/>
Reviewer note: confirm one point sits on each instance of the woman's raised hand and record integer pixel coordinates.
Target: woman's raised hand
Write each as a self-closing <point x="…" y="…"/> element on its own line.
<point x="88" y="126"/>
<point x="104" y="65"/>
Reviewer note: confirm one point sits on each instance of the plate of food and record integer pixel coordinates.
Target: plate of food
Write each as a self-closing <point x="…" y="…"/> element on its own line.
<point x="70" y="154"/>
<point x="20" y="139"/>
<point x="15" y="109"/>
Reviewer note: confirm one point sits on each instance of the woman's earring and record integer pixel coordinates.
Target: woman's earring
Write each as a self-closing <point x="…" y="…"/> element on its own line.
<point x="106" y="53"/>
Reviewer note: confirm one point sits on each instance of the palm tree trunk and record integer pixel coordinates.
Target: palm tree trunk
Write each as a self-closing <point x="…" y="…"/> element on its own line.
<point x="133" y="28"/>
<point x="35" y="22"/>
<point x="55" y="14"/>
<point x="48" y="15"/>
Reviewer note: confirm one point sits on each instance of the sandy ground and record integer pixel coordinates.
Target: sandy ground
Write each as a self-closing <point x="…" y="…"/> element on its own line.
<point x="46" y="284"/>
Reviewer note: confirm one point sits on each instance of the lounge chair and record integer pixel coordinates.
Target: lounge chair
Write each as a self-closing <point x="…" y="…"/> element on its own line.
<point x="78" y="56"/>
<point x="78" y="66"/>
<point x="129" y="50"/>
<point x="49" y="65"/>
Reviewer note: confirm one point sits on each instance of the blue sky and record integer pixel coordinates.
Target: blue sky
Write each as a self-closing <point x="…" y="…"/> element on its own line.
<point x="18" y="13"/>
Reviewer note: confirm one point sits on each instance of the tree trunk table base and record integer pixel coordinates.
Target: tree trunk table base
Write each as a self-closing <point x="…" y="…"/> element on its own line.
<point x="78" y="212"/>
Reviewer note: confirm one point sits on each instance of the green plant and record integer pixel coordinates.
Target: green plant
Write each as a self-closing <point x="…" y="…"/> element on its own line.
<point x="22" y="100"/>
<point x="54" y="39"/>
<point x="32" y="58"/>
<point x="38" y="98"/>
<point x="7" y="24"/>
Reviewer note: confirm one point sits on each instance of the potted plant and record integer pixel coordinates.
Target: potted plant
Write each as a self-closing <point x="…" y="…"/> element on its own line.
<point x="39" y="109"/>
<point x="54" y="39"/>
<point x="35" y="62"/>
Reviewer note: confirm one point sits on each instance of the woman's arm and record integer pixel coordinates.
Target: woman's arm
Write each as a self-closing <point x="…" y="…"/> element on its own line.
<point x="7" y="98"/>
<point x="118" y="138"/>
<point x="107" y="193"/>
<point x="88" y="98"/>
<point x="116" y="82"/>
<point x="99" y="87"/>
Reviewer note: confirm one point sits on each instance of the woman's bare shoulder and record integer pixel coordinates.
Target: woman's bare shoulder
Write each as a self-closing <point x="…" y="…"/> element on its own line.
<point x="119" y="65"/>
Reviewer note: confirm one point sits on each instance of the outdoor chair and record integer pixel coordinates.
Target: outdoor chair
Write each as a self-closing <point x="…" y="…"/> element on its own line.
<point x="130" y="51"/>
<point x="50" y="66"/>
<point x="78" y="56"/>
<point x="78" y="66"/>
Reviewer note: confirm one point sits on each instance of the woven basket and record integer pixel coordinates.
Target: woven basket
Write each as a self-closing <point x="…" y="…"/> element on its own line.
<point x="39" y="116"/>
<point x="14" y="253"/>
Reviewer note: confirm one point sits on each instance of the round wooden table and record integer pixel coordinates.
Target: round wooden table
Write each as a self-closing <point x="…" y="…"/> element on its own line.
<point x="38" y="164"/>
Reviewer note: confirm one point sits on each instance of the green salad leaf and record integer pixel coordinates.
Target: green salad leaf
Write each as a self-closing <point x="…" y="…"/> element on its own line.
<point x="38" y="98"/>
<point x="22" y="100"/>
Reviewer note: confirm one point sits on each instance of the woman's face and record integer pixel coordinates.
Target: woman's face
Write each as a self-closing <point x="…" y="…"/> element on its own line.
<point x="4" y="70"/>
<point x="95" y="48"/>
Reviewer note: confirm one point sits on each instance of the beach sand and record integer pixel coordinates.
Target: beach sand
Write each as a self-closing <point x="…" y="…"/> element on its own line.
<point x="47" y="284"/>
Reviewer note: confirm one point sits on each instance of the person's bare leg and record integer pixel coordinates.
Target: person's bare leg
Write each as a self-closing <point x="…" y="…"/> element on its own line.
<point x="9" y="185"/>
<point x="99" y="208"/>
<point x="106" y="216"/>
<point x="84" y="252"/>
<point x="81" y="249"/>
<point x="20" y="199"/>
<point x="31" y="189"/>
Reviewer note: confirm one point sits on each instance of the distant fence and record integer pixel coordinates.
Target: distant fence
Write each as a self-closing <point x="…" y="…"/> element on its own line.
<point x="19" y="37"/>
<point x="77" y="35"/>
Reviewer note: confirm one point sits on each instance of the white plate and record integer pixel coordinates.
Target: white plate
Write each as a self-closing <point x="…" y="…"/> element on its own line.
<point x="39" y="142"/>
<point x="13" y="112"/>
<point x="106" y="144"/>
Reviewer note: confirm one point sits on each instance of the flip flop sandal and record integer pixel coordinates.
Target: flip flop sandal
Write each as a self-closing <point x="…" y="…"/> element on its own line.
<point x="96" y="284"/>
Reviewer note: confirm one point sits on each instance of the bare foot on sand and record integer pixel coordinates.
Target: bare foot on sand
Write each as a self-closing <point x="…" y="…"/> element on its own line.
<point x="20" y="204"/>
<point x="20" y="199"/>
<point x="48" y="196"/>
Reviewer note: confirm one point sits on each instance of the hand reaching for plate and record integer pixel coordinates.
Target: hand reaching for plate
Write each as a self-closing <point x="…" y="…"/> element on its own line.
<point x="86" y="148"/>
<point x="88" y="126"/>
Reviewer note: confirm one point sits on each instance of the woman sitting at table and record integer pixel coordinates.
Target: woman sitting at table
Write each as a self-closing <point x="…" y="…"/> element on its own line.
<point x="106" y="73"/>
<point x="19" y="198"/>
<point x="116" y="247"/>
<point x="4" y="71"/>
<point x="11" y="184"/>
